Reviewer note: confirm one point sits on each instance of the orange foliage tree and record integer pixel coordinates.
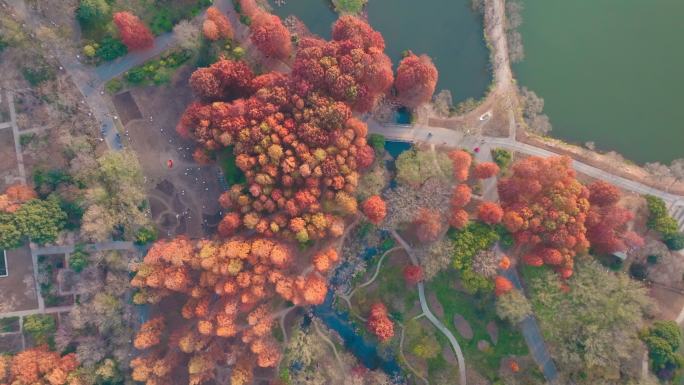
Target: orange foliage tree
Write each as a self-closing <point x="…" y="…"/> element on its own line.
<point x="375" y="209"/>
<point x="546" y="209"/>
<point x="461" y="196"/>
<point x="41" y="366"/>
<point x="210" y="30"/>
<point x="149" y="333"/>
<point x="485" y="170"/>
<point x="133" y="33"/>
<point x="416" y="80"/>
<point x="458" y="219"/>
<point x="489" y="213"/>
<point x="502" y="285"/>
<point x="226" y="290"/>
<point x="379" y="323"/>
<point x="219" y="25"/>
<point x="461" y="161"/>
<point x="15" y="196"/>
<point x="293" y="136"/>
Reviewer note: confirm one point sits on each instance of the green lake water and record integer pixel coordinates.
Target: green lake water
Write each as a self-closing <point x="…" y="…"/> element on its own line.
<point x="610" y="71"/>
<point x="446" y="30"/>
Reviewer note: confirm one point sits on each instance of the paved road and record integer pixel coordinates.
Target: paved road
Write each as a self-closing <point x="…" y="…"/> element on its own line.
<point x="533" y="337"/>
<point x="110" y="70"/>
<point x="426" y="310"/>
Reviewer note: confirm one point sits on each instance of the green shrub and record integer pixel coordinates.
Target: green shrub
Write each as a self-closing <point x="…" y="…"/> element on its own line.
<point x="136" y="75"/>
<point x="377" y="141"/>
<point x="675" y="241"/>
<point x="161" y="22"/>
<point x="38" y="73"/>
<point x="74" y="212"/>
<point x="10" y="235"/>
<point x="502" y="158"/>
<point x="145" y="235"/>
<point x="25" y="139"/>
<point x="78" y="260"/>
<point x="48" y="181"/>
<point x="111" y="48"/>
<point x="41" y="327"/>
<point x="652" y="259"/>
<point x="92" y="12"/>
<point x="162" y="76"/>
<point x="113" y="86"/>
<point x="663" y="340"/>
<point x="238" y="53"/>
<point x="658" y="218"/>
<point x="40" y="220"/>
<point x="3" y="44"/>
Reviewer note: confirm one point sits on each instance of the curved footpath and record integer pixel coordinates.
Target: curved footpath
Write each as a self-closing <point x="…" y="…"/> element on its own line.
<point x="431" y="317"/>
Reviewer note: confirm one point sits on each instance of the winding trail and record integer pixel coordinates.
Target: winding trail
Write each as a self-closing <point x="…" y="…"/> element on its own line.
<point x="431" y="317"/>
<point x="377" y="271"/>
<point x="403" y="357"/>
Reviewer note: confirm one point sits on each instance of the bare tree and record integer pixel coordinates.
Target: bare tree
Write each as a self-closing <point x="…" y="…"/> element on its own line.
<point x="187" y="35"/>
<point x="533" y="105"/>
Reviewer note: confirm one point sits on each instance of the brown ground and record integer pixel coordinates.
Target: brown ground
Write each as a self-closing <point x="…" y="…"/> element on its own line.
<point x="10" y="343"/>
<point x="183" y="199"/>
<point x="8" y="159"/>
<point x="18" y="288"/>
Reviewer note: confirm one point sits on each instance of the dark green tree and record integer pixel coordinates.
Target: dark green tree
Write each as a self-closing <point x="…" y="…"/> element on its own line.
<point x="658" y="218"/>
<point x="663" y="339"/>
<point x="674" y="241"/>
<point x="110" y="49"/>
<point x="93" y="12"/>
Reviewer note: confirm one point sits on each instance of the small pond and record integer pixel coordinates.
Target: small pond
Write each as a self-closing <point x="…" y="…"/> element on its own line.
<point x="446" y="30"/>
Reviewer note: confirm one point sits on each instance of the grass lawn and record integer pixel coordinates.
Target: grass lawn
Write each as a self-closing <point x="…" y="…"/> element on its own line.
<point x="389" y="288"/>
<point x="478" y="311"/>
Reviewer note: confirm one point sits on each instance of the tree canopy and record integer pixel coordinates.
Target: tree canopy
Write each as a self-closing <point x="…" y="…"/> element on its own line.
<point x="591" y="321"/>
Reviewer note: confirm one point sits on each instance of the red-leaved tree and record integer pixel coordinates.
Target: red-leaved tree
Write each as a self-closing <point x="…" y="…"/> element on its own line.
<point x="133" y="33"/>
<point x="270" y="35"/>
<point x="351" y="68"/>
<point x="545" y="207"/>
<point x="416" y="80"/>
<point x="413" y="274"/>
